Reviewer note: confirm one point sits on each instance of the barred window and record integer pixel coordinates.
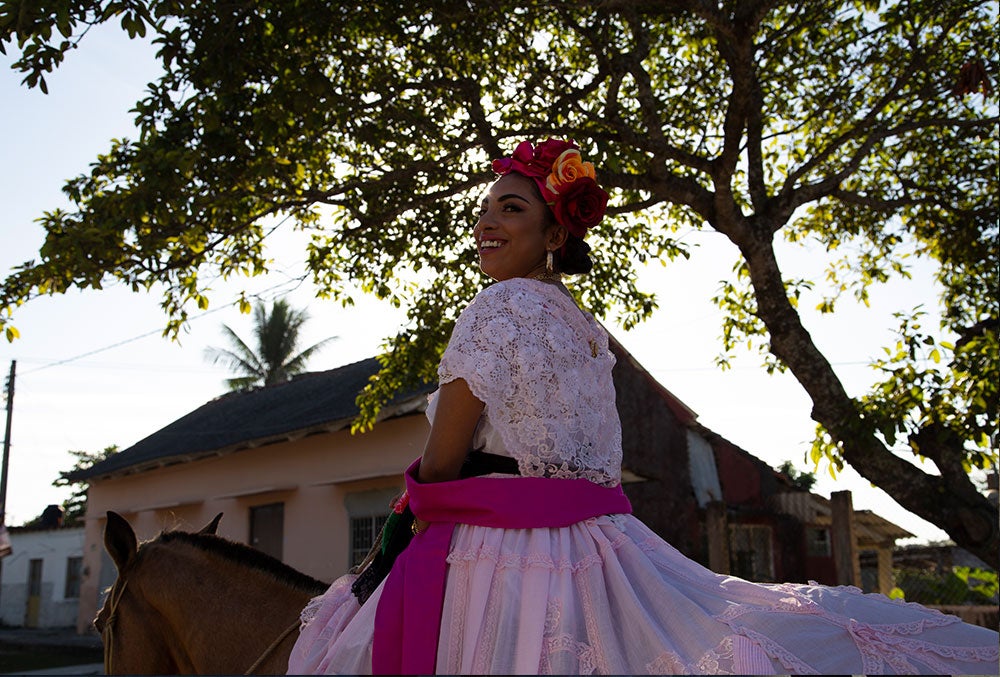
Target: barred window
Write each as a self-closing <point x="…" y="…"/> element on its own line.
<point x="367" y="511"/>
<point x="364" y="531"/>
<point x="750" y="552"/>
<point x="818" y="542"/>
<point x="74" y="567"/>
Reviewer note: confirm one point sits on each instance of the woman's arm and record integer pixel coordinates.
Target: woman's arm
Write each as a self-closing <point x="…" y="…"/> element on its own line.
<point x="450" y="439"/>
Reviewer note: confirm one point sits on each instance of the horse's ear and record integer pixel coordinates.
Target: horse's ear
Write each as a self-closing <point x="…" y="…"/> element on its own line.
<point x="211" y="526"/>
<point x="119" y="540"/>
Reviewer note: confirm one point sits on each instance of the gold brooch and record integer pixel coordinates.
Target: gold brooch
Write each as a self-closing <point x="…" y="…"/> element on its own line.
<point x="593" y="348"/>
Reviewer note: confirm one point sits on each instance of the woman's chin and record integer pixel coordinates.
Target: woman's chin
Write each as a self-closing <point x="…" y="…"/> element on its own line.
<point x="492" y="272"/>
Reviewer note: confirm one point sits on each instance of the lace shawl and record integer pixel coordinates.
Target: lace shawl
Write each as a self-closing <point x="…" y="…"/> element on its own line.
<point x="543" y="369"/>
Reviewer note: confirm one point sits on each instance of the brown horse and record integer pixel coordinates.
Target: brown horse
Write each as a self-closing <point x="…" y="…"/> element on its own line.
<point x="195" y="603"/>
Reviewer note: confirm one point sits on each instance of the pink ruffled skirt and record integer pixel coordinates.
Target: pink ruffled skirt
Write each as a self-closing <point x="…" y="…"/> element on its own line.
<point x="608" y="596"/>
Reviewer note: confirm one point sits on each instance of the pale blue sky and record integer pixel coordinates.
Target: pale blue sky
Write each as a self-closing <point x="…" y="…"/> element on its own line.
<point x="121" y="394"/>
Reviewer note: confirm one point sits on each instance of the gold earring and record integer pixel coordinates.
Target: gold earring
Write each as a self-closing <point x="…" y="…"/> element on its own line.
<point x="549" y="263"/>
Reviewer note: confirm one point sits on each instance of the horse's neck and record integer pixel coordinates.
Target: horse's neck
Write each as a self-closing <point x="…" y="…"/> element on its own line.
<point x="223" y="615"/>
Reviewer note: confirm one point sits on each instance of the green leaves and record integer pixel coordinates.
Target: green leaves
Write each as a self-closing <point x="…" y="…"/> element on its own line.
<point x="370" y="126"/>
<point x="75" y="507"/>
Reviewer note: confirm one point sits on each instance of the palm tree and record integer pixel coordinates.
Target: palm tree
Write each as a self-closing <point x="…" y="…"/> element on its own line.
<point x="274" y="360"/>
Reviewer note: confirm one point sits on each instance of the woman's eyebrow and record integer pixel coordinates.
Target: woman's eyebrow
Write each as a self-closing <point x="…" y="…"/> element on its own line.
<point x="510" y="195"/>
<point x="502" y="198"/>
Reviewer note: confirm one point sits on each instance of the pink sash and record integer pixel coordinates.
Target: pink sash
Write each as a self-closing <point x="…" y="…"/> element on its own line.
<point x="408" y="616"/>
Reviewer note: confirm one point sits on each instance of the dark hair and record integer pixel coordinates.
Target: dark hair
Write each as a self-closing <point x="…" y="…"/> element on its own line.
<point x="575" y="258"/>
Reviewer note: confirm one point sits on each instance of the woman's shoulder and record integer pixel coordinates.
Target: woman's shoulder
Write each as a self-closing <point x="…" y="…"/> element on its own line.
<point x="506" y="293"/>
<point x="509" y="306"/>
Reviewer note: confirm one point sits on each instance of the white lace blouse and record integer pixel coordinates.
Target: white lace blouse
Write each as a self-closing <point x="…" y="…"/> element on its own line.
<point x="543" y="369"/>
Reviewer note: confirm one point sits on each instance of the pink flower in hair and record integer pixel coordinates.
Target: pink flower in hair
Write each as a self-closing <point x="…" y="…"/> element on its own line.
<point x="567" y="183"/>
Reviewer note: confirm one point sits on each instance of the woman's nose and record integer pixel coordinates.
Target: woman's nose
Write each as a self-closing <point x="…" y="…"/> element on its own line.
<point x="483" y="223"/>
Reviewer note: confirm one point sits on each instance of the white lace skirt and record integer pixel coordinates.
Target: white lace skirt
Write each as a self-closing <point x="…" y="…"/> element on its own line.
<point x="608" y="596"/>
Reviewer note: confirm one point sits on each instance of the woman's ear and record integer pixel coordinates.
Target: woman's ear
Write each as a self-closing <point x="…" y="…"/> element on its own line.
<point x="556" y="237"/>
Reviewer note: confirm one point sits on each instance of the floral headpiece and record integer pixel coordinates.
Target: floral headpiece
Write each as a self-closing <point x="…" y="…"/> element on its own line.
<point x="566" y="182"/>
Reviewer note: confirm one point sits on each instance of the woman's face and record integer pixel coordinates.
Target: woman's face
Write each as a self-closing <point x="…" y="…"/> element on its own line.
<point x="515" y="229"/>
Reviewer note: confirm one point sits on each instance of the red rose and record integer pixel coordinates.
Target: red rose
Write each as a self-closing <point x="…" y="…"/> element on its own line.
<point x="581" y="206"/>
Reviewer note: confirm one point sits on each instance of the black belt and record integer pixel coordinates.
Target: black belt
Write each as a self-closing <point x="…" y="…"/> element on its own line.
<point x="479" y="463"/>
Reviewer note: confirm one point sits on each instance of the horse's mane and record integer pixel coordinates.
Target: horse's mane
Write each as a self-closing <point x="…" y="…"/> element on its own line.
<point x="245" y="555"/>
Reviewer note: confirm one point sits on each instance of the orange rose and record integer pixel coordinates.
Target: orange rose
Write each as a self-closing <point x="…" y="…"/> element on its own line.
<point x="567" y="168"/>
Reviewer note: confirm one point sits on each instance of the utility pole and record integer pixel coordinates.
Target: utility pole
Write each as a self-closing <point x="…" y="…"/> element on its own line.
<point x="6" y="441"/>
<point x="4" y="538"/>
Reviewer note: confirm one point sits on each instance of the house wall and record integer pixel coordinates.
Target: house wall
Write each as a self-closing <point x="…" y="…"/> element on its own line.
<point x="654" y="446"/>
<point x="54" y="547"/>
<point x="312" y="476"/>
<point x="739" y="475"/>
<point x="747" y="484"/>
<point x="821" y="569"/>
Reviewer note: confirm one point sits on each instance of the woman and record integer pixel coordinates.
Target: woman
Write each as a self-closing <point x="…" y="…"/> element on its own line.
<point x="540" y="568"/>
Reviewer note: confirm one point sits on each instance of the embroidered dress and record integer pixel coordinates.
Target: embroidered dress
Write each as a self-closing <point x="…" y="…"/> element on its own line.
<point x="606" y="595"/>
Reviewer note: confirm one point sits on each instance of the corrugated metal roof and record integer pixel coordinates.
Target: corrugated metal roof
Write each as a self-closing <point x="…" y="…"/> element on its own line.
<point x="811" y="508"/>
<point x="704" y="475"/>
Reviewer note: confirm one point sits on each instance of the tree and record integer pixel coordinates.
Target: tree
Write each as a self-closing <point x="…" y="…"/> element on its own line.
<point x="800" y="480"/>
<point x="75" y="507"/>
<point x="866" y="129"/>
<point x="274" y="359"/>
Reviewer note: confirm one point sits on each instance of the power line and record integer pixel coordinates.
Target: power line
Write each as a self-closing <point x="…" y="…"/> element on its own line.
<point x="160" y="331"/>
<point x="144" y="335"/>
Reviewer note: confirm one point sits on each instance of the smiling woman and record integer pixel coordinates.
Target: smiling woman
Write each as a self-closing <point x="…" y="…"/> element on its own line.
<point x="524" y="556"/>
<point x="516" y="232"/>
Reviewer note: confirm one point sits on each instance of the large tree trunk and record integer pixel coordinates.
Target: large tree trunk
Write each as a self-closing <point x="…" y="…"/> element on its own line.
<point x="950" y="500"/>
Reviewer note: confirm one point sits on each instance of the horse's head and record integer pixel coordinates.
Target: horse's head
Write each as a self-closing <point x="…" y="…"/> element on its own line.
<point x="133" y="646"/>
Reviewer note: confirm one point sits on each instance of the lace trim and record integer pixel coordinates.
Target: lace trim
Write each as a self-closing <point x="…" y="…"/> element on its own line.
<point x="586" y="660"/>
<point x="309" y="612"/>
<point x="878" y="644"/>
<point x="908" y="645"/>
<point x="524" y="348"/>
<point x="524" y="562"/>
<point x="932" y="618"/>
<point x="712" y="662"/>
<point x="487" y="640"/>
<point x="586" y="663"/>
<point x="667" y="663"/>
<point x="461" y="592"/>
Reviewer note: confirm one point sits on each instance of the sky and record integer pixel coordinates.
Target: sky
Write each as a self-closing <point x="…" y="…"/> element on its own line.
<point x="93" y="369"/>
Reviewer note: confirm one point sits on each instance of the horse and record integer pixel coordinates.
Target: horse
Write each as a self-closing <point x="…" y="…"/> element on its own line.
<point x="196" y="603"/>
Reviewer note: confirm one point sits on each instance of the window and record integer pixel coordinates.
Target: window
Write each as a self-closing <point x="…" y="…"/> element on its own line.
<point x="364" y="530"/>
<point x="750" y="554"/>
<point x="74" y="565"/>
<point x="818" y="542"/>
<point x="367" y="511"/>
<point x="267" y="528"/>
<point x="868" y="560"/>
